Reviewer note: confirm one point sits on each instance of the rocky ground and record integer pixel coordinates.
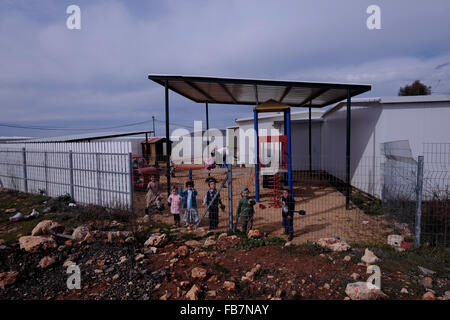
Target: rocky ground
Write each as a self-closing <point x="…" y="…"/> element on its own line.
<point x="142" y="259"/>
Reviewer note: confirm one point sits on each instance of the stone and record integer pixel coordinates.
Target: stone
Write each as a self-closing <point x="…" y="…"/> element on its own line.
<point x="427" y="282"/>
<point x="115" y="277"/>
<point x="221" y="236"/>
<point x="165" y="296"/>
<point x="68" y="263"/>
<point x="211" y="293"/>
<point x="249" y="276"/>
<point x="2" y="242"/>
<point x="199" y="273"/>
<point x="369" y="257"/>
<point x="43" y="228"/>
<point x="212" y="279"/>
<point x="395" y="240"/>
<point x="139" y="257"/>
<point x="193" y="243"/>
<point x="209" y="242"/>
<point x="8" y="278"/>
<point x="122" y="259"/>
<point x="11" y="210"/>
<point x="355" y="276"/>
<point x="404" y="291"/>
<point x="429" y="296"/>
<point x="254" y="234"/>
<point x="326" y="286"/>
<point x="193" y="293"/>
<point x="347" y="258"/>
<point x="80" y="233"/>
<point x="425" y="271"/>
<point x="36" y="243"/>
<point x="334" y="244"/>
<point x="182" y="251"/>
<point x="363" y="291"/>
<point x="229" y="285"/>
<point x="446" y="295"/>
<point x="156" y="240"/>
<point x="47" y="262"/>
<point x="151" y="250"/>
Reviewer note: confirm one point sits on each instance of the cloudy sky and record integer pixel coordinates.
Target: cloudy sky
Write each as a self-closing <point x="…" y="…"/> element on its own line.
<point x="96" y="77"/>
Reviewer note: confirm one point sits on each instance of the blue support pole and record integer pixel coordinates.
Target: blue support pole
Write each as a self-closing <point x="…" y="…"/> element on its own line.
<point x="289" y="154"/>
<point x="190" y="174"/>
<point x="255" y="121"/>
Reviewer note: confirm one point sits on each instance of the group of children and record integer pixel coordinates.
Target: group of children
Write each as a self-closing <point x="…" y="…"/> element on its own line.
<point x="187" y="200"/>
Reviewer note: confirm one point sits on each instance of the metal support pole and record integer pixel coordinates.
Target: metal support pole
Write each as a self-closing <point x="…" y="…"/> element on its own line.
<point x="147" y="147"/>
<point x="347" y="152"/>
<point x="24" y="165"/>
<point x="71" y="174"/>
<point x="310" y="140"/>
<point x="166" y="87"/>
<point x="154" y="132"/>
<point x="130" y="181"/>
<point x="289" y="153"/>
<point x="97" y="169"/>
<point x="46" y="173"/>
<point x="230" y="196"/>
<point x="255" y="121"/>
<point x="207" y="127"/>
<point x="190" y="174"/>
<point x="418" y="202"/>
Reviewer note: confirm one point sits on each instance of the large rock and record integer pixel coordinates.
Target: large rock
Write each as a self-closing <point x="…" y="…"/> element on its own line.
<point x="249" y="276"/>
<point x="229" y="285"/>
<point x="36" y="243"/>
<point x="369" y="257"/>
<point x="193" y="243"/>
<point x="429" y="296"/>
<point x="363" y="291"/>
<point x="43" y="227"/>
<point x="334" y="244"/>
<point x="80" y="233"/>
<point x="254" y="234"/>
<point x="156" y="240"/>
<point x="209" y="242"/>
<point x="193" y="293"/>
<point x="47" y="262"/>
<point x="182" y="251"/>
<point x="8" y="278"/>
<point x="199" y="273"/>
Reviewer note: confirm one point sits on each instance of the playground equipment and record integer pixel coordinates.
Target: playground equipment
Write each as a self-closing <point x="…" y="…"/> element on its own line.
<point x="273" y="153"/>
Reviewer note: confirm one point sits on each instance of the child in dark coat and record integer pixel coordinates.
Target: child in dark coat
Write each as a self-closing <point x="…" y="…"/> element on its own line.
<point x="214" y="207"/>
<point x="287" y="212"/>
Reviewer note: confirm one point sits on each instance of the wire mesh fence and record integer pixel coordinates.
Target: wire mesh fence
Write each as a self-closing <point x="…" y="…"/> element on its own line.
<point x="383" y="200"/>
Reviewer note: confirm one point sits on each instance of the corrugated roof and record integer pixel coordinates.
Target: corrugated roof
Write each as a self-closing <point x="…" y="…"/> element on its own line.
<point x="256" y="91"/>
<point x="85" y="137"/>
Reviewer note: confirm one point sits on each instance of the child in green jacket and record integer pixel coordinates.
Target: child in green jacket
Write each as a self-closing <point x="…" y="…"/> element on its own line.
<point x="245" y="210"/>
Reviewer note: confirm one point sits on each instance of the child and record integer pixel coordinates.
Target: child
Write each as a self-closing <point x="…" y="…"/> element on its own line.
<point x="245" y="210"/>
<point x="214" y="208"/>
<point x="190" y="204"/>
<point x="175" y="202"/>
<point x="210" y="163"/>
<point x="152" y="198"/>
<point x="287" y="212"/>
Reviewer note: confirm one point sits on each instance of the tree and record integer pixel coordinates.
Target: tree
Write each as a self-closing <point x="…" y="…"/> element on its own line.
<point x="417" y="88"/>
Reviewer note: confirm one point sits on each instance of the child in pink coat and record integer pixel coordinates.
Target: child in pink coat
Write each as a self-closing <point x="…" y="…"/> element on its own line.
<point x="175" y="201"/>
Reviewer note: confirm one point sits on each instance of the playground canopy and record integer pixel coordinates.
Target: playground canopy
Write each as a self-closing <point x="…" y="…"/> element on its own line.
<point x="256" y="91"/>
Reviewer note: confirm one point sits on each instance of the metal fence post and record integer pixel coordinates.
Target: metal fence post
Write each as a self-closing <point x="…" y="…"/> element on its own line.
<point x="71" y="174"/>
<point x="419" y="188"/>
<point x="97" y="169"/>
<point x="230" y="195"/>
<point x="24" y="164"/>
<point x="46" y="172"/>
<point x="130" y="164"/>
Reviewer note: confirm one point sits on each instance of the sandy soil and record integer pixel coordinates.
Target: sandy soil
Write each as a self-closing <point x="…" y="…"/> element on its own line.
<point x="325" y="206"/>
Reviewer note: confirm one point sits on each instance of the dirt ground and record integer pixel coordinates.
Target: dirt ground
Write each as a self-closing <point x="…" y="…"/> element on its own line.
<point x="325" y="207"/>
<point x="115" y="263"/>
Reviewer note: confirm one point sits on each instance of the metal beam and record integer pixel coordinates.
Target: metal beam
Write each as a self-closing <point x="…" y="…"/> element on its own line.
<point x="200" y="90"/>
<point x="314" y="95"/>
<point x="255" y="124"/>
<point x="310" y="141"/>
<point x="256" y="94"/>
<point x="166" y="87"/>
<point x="289" y="153"/>
<point x="285" y="93"/>
<point x="347" y="152"/>
<point x="228" y="92"/>
<point x="207" y="127"/>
